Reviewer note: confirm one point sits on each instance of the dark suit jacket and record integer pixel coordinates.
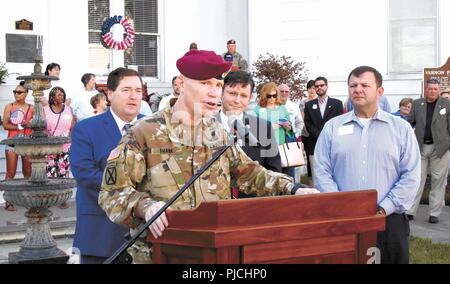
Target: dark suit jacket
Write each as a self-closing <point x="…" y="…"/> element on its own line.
<point x="440" y="124"/>
<point x="267" y="154"/>
<point x="313" y="119"/>
<point x="92" y="141"/>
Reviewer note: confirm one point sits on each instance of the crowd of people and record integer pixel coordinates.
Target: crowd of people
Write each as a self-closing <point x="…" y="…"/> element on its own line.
<point x="60" y="113"/>
<point x="128" y="163"/>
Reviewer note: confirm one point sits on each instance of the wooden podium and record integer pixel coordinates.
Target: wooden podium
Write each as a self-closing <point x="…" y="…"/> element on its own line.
<point x="319" y="228"/>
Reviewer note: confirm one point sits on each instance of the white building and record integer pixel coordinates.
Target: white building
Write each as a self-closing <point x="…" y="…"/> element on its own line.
<point x="398" y="37"/>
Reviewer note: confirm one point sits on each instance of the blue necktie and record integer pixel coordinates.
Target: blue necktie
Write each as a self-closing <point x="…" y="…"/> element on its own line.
<point x="126" y="127"/>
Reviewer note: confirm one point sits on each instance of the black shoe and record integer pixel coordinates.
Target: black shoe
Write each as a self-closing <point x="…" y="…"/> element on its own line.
<point x="433" y="220"/>
<point x="410" y="217"/>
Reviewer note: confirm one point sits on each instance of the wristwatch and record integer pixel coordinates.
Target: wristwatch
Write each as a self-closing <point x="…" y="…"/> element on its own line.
<point x="380" y="210"/>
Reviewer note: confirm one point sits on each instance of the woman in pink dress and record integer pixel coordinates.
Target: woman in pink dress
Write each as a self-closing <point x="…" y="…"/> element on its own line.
<point x="60" y="121"/>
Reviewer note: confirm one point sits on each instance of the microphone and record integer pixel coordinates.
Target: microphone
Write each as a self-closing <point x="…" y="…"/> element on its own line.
<point x="242" y="131"/>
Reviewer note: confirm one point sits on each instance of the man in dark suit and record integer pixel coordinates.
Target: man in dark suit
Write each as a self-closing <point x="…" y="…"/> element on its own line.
<point x="92" y="141"/>
<point x="431" y="118"/>
<point x="318" y="112"/>
<point x="236" y="96"/>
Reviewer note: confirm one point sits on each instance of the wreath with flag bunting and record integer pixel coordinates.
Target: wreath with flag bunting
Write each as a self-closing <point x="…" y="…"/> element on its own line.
<point x="107" y="38"/>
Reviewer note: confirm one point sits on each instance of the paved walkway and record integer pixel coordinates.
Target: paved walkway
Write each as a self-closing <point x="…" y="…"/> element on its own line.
<point x="13" y="224"/>
<point x="438" y="233"/>
<point x="13" y="227"/>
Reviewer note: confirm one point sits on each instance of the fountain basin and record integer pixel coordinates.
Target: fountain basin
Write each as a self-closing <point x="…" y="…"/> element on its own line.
<point x="37" y="146"/>
<point x="28" y="194"/>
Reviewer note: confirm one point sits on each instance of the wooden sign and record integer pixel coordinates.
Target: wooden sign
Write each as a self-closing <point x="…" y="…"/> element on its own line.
<point x="24" y="25"/>
<point x="440" y="73"/>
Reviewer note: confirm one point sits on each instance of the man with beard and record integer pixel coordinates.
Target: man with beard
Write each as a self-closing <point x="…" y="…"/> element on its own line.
<point x="319" y="111"/>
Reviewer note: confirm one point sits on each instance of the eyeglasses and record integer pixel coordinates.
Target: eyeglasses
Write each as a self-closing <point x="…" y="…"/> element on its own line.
<point x="19" y="92"/>
<point x="320" y="86"/>
<point x="272" y="96"/>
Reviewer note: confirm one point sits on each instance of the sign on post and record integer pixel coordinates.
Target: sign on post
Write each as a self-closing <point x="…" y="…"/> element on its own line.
<point x="440" y="73"/>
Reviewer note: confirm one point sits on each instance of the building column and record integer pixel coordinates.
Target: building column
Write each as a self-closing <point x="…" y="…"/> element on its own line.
<point x="238" y="25"/>
<point x="117" y="7"/>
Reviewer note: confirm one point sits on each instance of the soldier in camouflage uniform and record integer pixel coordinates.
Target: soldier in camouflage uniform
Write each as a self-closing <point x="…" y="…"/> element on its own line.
<point x="239" y="62"/>
<point x="161" y="152"/>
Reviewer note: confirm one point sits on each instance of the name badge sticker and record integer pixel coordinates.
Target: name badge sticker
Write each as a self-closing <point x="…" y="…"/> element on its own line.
<point x="345" y="130"/>
<point x="314" y="106"/>
<point x="443" y="111"/>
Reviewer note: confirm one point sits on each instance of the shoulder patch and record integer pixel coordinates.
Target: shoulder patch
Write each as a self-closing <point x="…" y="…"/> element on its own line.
<point x="115" y="153"/>
<point x="111" y="175"/>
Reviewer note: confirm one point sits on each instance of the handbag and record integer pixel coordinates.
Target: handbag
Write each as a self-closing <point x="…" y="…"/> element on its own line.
<point x="292" y="154"/>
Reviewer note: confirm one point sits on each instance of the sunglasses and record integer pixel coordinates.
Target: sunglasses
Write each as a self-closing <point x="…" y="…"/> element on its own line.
<point x="19" y="92"/>
<point x="320" y="86"/>
<point x="272" y="96"/>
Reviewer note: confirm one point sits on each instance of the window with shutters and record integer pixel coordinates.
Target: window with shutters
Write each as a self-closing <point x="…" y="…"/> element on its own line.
<point x="413" y="35"/>
<point x="143" y="55"/>
<point x="99" y="56"/>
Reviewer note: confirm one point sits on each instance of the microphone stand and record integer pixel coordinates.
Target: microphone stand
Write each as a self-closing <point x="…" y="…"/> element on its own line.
<point x="144" y="227"/>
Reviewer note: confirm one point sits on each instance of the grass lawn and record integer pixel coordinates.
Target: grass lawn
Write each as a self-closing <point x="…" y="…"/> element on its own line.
<point x="423" y="251"/>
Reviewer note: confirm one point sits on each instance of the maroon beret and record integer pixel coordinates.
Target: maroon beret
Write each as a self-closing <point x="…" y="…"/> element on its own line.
<point x="203" y="65"/>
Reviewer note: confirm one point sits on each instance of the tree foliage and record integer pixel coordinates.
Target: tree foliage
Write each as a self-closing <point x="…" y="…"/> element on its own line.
<point x="3" y="73"/>
<point x="281" y="70"/>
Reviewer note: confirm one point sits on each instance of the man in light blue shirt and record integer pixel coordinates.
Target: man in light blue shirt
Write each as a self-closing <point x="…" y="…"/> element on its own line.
<point x="371" y="149"/>
<point x="383" y="104"/>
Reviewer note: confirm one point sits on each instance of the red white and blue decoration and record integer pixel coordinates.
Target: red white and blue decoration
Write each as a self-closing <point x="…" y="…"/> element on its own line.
<point x="107" y="35"/>
<point x="17" y="117"/>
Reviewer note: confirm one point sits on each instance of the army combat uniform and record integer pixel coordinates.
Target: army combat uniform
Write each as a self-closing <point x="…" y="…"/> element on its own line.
<point x="239" y="61"/>
<point x="159" y="154"/>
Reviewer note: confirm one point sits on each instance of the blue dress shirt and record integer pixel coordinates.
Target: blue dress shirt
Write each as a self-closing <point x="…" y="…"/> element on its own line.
<point x="397" y="113"/>
<point x="383" y="155"/>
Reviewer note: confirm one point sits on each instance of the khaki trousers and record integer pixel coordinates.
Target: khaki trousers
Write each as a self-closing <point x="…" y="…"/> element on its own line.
<point x="311" y="164"/>
<point x="438" y="168"/>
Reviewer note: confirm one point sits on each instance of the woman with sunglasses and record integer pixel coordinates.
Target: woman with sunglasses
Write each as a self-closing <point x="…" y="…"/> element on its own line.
<point x="270" y="108"/>
<point x="17" y="117"/>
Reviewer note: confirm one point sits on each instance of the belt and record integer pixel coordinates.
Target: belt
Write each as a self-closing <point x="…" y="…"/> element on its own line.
<point x="428" y="142"/>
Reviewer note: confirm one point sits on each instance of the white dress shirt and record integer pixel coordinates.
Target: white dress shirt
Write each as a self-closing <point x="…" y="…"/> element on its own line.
<point x="120" y="123"/>
<point x="224" y="122"/>
<point x="81" y="104"/>
<point x="322" y="105"/>
<point x="295" y="117"/>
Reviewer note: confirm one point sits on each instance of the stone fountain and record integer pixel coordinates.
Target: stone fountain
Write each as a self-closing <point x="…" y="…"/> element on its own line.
<point x="38" y="193"/>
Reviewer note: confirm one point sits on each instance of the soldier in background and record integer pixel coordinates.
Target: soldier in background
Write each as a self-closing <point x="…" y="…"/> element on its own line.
<point x="239" y="62"/>
<point x="160" y="153"/>
<point x="176" y="85"/>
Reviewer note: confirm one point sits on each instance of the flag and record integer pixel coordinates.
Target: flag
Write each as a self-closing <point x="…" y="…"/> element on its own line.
<point x="17" y="117"/>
